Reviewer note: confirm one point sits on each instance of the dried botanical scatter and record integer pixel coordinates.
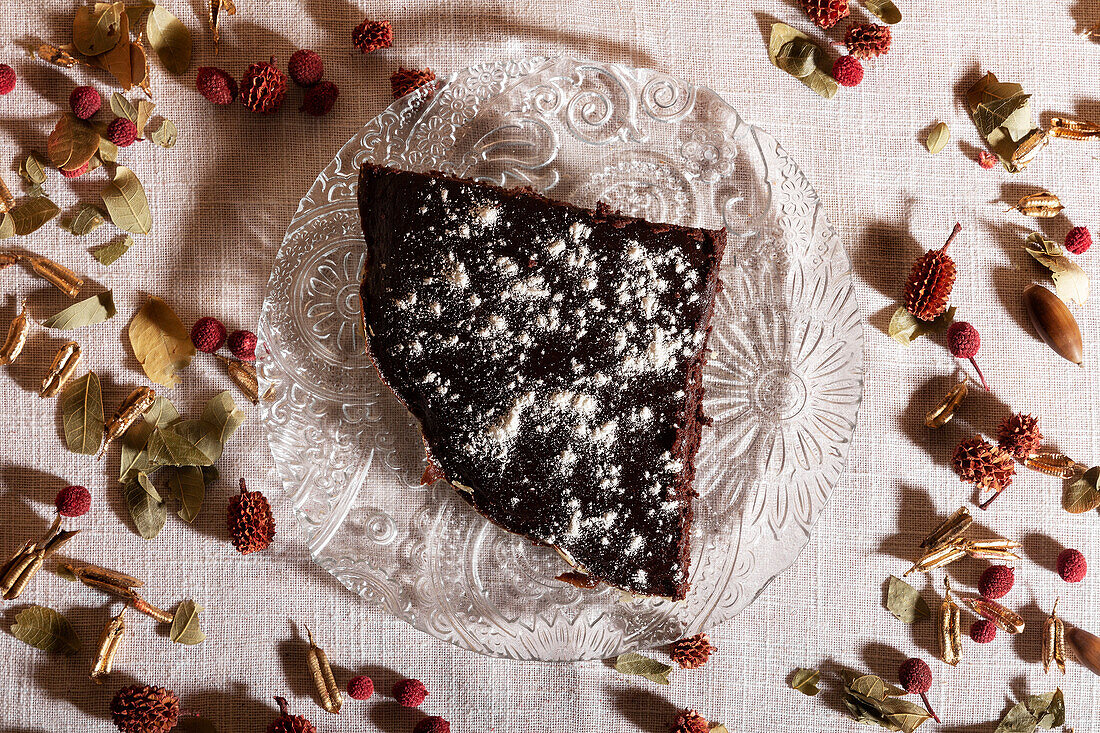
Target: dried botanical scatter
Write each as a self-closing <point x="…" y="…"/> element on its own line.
<point x="847" y="71"/>
<point x="1035" y="711"/>
<point x="208" y="334"/>
<point x="1054" y="641"/>
<point x="1078" y="240"/>
<point x="406" y="81"/>
<point x="871" y="700"/>
<point x="949" y="529"/>
<point x="46" y="629"/>
<point x="409" y="693"/>
<point x="73" y="501"/>
<point x="185" y="624"/>
<point x="795" y="53"/>
<point x="372" y="35"/>
<point x="1072" y="565"/>
<point x="21" y="568"/>
<point x="939" y="557"/>
<point x="1002" y="113"/>
<point x="242" y="344"/>
<point x="250" y="521"/>
<point x="1074" y="129"/>
<point x="1041" y="205"/>
<point x="905" y="601"/>
<point x="949" y="627"/>
<point x="692" y="652"/>
<point x="1083" y="493"/>
<point x="1086" y="648"/>
<point x="216" y="85"/>
<point x="145" y="709"/>
<point x="996" y="581"/>
<point x="930" y="281"/>
<point x="1006" y="619"/>
<point x="263" y="88"/>
<point x="121" y="132"/>
<point x="218" y="9"/>
<point x="964" y="341"/>
<point x="17" y="336"/>
<point x="633" y="663"/>
<point x="360" y="687"/>
<point x="986" y="466"/>
<point x="160" y="342"/>
<point x="85" y="102"/>
<point x="110" y="641"/>
<point x="324" y="682"/>
<point x="305" y="67"/>
<point x="1019" y="435"/>
<point x="287" y="723"/>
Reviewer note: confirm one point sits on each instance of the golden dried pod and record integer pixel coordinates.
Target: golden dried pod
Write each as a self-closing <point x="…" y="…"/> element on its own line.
<point x="1041" y="205"/>
<point x="949" y="529"/>
<point x="17" y="337"/>
<point x="64" y="363"/>
<point x="1054" y="323"/>
<point x="944" y="410"/>
<point x="1070" y="129"/>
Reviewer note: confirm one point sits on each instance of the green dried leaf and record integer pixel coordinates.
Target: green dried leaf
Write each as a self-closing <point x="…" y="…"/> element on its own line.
<point x="1049" y="708"/>
<point x="1083" y="494"/>
<point x="905" y="328"/>
<point x="87" y="220"/>
<point x="82" y="414"/>
<point x="111" y="253"/>
<point x="32" y="170"/>
<point x="884" y="10"/>
<point x="46" y="629"/>
<point x="186" y="484"/>
<point x="203" y="435"/>
<point x="222" y="413"/>
<point x="95" y="309"/>
<point x="1002" y="113"/>
<point x="126" y="202"/>
<point x="185" y="624"/>
<point x="97" y="29"/>
<point x="169" y="448"/>
<point x="162" y="414"/>
<point x="72" y="143"/>
<point x="146" y="485"/>
<point x="988" y="116"/>
<point x="30" y="215"/>
<point x="134" y="455"/>
<point x="818" y="80"/>
<point x="165" y="135"/>
<point x="798" y="58"/>
<point x="123" y="107"/>
<point x="1070" y="280"/>
<point x="145" y="110"/>
<point x="1017" y="720"/>
<point x="938" y="138"/>
<point x="161" y="342"/>
<point x="170" y="39"/>
<point x="874" y="687"/>
<point x="805" y="681"/>
<point x="149" y="515"/>
<point x="635" y="664"/>
<point x="108" y="151"/>
<point x="905" y="601"/>
<point x="906" y="715"/>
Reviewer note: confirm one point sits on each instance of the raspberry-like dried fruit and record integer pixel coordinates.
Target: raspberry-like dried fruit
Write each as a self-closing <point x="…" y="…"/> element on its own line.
<point x="263" y="88"/>
<point x="319" y="99"/>
<point x="73" y="501"/>
<point x="996" y="581"/>
<point x="216" y="85"/>
<point x="85" y="102"/>
<point x="360" y="687"/>
<point x="1072" y="566"/>
<point x="432" y="724"/>
<point x="76" y="172"/>
<point x="963" y="340"/>
<point x="1078" y="240"/>
<point x="371" y="35"/>
<point x="305" y="67"/>
<point x="409" y="692"/>
<point x="122" y="132"/>
<point x="242" y="344"/>
<point x="208" y="334"/>
<point x="915" y="676"/>
<point x="986" y="159"/>
<point x="847" y="71"/>
<point x="983" y="631"/>
<point x="7" y="79"/>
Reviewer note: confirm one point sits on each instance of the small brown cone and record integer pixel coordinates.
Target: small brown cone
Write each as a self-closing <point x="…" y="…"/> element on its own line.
<point x="250" y="521"/>
<point x="145" y="709"/>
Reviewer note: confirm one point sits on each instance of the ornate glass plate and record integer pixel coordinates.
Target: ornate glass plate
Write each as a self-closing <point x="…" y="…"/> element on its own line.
<point x="783" y="383"/>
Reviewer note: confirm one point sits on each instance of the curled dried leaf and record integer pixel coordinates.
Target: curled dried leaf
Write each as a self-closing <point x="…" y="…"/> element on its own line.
<point x="72" y="143"/>
<point x="125" y="200"/>
<point x="938" y="138"/>
<point x="161" y="342"/>
<point x="170" y="39"/>
<point x="633" y="663"/>
<point x="905" y="601"/>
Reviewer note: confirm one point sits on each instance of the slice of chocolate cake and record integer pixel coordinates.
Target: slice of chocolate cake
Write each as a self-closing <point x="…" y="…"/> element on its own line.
<point x="553" y="357"/>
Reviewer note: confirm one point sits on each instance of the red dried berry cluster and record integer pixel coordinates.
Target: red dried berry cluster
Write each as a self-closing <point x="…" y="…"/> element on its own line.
<point x="85" y="102"/>
<point x="73" y="501"/>
<point x="7" y="79"/>
<point x="360" y="687"/>
<point x="209" y="334"/>
<point x="1072" y="566"/>
<point x="305" y="67"/>
<point x="983" y="631"/>
<point x="825" y="13"/>
<point x="287" y="723"/>
<point x="216" y="85"/>
<point x="432" y="724"/>
<point x="847" y="71"/>
<point x="1019" y="435"/>
<point x="372" y="35"/>
<point x="1078" y="240"/>
<point x="986" y="159"/>
<point x="409" y="692"/>
<point x="263" y="88"/>
<point x="242" y="344"/>
<point x="691" y="652"/>
<point x="320" y="99"/>
<point x="867" y="40"/>
<point x="122" y="132"/>
<point x="996" y="581"/>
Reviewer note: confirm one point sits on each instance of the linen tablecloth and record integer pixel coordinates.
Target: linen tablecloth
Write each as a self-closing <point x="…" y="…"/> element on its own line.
<point x="224" y="195"/>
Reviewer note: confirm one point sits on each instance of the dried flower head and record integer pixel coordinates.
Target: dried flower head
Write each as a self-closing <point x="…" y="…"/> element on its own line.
<point x="242" y="344"/>
<point x="915" y="676"/>
<point x="73" y="501"/>
<point x="216" y="85"/>
<point x="983" y="631"/>
<point x="360" y="687"/>
<point x="122" y="132"/>
<point x="1019" y="435"/>
<point x="85" y="102"/>
<point x="930" y="281"/>
<point x="692" y="652"/>
<point x="409" y="692"/>
<point x="1078" y="240"/>
<point x="208" y="334"/>
<point x="867" y="40"/>
<point x="372" y="35"/>
<point x="987" y="159"/>
<point x="305" y="67"/>
<point x="825" y="13"/>
<point x="287" y="723"/>
<point x="847" y="71"/>
<point x="263" y="88"/>
<point x="996" y="581"/>
<point x="250" y="521"/>
<point x="689" y="721"/>
<point x="145" y="709"/>
<point x="432" y="724"/>
<point x="319" y="99"/>
<point x="7" y="79"/>
<point x="963" y="340"/>
<point x="984" y="465"/>
<point x="1072" y="566"/>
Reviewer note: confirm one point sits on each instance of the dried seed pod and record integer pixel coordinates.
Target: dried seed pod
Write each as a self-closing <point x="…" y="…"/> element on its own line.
<point x="950" y="628"/>
<point x="1041" y="205"/>
<point x="17" y="337"/>
<point x="105" y="579"/>
<point x="939" y="557"/>
<point x="1086" y="647"/>
<point x="110" y="639"/>
<point x="141" y="605"/>
<point x="949" y="529"/>
<point x="1028" y="149"/>
<point x="1054" y="463"/>
<point x="17" y="572"/>
<point x="323" y="679"/>
<point x="64" y="363"/>
<point x="7" y="259"/>
<point x="244" y="376"/>
<point x="931" y="279"/>
<point x="1000" y="550"/>
<point x="1054" y="641"/>
<point x="133" y="407"/>
<point x="942" y="413"/>
<point x="55" y="273"/>
<point x="1005" y="619"/>
<point x="1073" y="129"/>
<point x="1054" y="323"/>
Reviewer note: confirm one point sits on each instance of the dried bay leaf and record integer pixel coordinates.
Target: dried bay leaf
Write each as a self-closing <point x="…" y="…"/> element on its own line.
<point x="7" y="226"/>
<point x="818" y="80"/>
<point x="135" y="457"/>
<point x="988" y="116"/>
<point x="87" y="220"/>
<point x="1083" y="494"/>
<point x="46" y="629"/>
<point x="95" y="309"/>
<point x="165" y="135"/>
<point x="1070" y="280"/>
<point x="160" y="341"/>
<point x="1002" y="113"/>
<point x="32" y="214"/>
<point x="126" y="202"/>
<point x="135" y="11"/>
<point x="906" y="715"/>
<point x="798" y="58"/>
<point x="32" y="170"/>
<point x="938" y="138"/>
<point x="97" y="29"/>
<point x="185" y="624"/>
<point x="117" y="61"/>
<point x="72" y="142"/>
<point x="905" y="328"/>
<point x="1017" y="720"/>
<point x="110" y="253"/>
<point x="805" y="681"/>
<point x="149" y="515"/>
<point x="203" y="435"/>
<point x="147" y="486"/>
<point x="168" y="448"/>
<point x="123" y="107"/>
<point x="186" y="484"/>
<point x="170" y="39"/>
<point x="222" y="413"/>
<point x="905" y="601"/>
<point x="1049" y="708"/>
<point x="162" y="414"/>
<point x="82" y="414"/>
<point x="874" y="687"/>
<point x="144" y="111"/>
<point x="884" y="10"/>
<point x="633" y="663"/>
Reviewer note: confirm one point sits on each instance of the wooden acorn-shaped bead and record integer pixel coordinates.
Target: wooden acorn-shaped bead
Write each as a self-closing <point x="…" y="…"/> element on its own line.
<point x="1054" y="323"/>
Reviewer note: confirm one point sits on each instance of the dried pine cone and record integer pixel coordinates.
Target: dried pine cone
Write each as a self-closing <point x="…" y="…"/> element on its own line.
<point x="867" y="40"/>
<point x="692" y="652"/>
<point x="287" y="723"/>
<point x="145" y="709"/>
<point x="930" y="281"/>
<point x="250" y="522"/>
<point x="1019" y="435"/>
<point x="263" y="87"/>
<point x="825" y="13"/>
<point x="984" y="465"/>
<point x="689" y="721"/>
<point x="404" y="81"/>
<point x="371" y="35"/>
